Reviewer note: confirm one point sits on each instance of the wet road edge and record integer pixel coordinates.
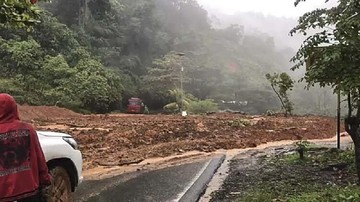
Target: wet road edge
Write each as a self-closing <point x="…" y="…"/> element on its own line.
<point x="197" y="189"/>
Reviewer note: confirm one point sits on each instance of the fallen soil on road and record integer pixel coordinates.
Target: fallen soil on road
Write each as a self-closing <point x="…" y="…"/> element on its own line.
<point x="121" y="139"/>
<point x="33" y="113"/>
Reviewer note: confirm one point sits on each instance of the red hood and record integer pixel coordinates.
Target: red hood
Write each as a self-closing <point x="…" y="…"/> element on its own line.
<point x="8" y="109"/>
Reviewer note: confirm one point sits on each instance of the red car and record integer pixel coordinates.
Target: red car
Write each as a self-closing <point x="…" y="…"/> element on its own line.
<point x="135" y="106"/>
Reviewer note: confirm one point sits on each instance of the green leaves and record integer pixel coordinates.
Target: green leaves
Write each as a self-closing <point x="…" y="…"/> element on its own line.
<point x="19" y="13"/>
<point x="129" y="36"/>
<point x="19" y="57"/>
<point x="165" y="71"/>
<point x="202" y="106"/>
<point x="281" y="84"/>
<point x="43" y="73"/>
<point x="95" y="87"/>
<point x="180" y="98"/>
<point x="336" y="63"/>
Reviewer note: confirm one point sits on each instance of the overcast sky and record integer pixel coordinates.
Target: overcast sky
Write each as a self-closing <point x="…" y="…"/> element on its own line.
<point x="273" y="7"/>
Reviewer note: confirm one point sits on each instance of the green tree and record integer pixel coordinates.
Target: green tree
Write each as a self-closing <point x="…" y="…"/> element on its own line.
<point x="162" y="76"/>
<point x="332" y="55"/>
<point x="54" y="36"/>
<point x="54" y="82"/>
<point x="180" y="100"/>
<point x="281" y="84"/>
<point x="110" y="48"/>
<point x="165" y="72"/>
<point x="66" y="11"/>
<point x="18" y="13"/>
<point x="96" y="87"/>
<point x="49" y="67"/>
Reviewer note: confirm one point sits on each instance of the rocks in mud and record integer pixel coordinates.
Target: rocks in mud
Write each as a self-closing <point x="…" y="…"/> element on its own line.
<point x="124" y="139"/>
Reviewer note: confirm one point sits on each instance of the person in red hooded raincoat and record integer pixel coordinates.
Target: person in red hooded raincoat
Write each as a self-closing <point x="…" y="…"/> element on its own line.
<point x="23" y="169"/>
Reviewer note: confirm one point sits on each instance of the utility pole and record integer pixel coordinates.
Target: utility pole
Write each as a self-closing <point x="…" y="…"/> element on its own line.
<point x="183" y="113"/>
<point x="182" y="90"/>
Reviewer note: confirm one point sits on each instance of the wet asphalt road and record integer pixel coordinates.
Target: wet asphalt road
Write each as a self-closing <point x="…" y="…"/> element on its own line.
<point x="178" y="183"/>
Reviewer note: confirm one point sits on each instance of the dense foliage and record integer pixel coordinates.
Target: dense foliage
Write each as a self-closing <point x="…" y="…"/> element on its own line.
<point x="332" y="55"/>
<point x="50" y="67"/>
<point x="202" y="107"/>
<point x="18" y="13"/>
<point x="94" y="55"/>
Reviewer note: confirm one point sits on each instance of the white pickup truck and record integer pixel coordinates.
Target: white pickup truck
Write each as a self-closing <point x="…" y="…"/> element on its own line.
<point x="64" y="161"/>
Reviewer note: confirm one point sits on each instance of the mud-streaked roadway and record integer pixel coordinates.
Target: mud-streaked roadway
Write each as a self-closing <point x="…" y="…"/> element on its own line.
<point x="177" y="183"/>
<point x="183" y="183"/>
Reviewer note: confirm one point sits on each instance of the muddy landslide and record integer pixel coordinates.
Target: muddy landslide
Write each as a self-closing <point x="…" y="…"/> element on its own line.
<point x="120" y="139"/>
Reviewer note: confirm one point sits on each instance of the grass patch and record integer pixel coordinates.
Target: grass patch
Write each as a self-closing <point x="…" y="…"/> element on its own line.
<point x="258" y="196"/>
<point x="321" y="157"/>
<point x="314" y="194"/>
<point x="336" y="193"/>
<point x="323" y="175"/>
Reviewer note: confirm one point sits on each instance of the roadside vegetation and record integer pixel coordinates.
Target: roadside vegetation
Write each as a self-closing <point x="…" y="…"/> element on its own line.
<point x="322" y="175"/>
<point x="94" y="57"/>
<point x="281" y="84"/>
<point x="331" y="57"/>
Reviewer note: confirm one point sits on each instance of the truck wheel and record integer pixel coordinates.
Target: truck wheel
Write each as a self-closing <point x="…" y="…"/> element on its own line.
<point x="60" y="188"/>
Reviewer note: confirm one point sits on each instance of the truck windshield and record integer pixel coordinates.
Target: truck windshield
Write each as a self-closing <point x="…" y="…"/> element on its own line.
<point x="134" y="102"/>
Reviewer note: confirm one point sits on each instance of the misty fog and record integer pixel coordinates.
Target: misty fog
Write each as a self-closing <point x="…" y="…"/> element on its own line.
<point x="314" y="100"/>
<point x="158" y="50"/>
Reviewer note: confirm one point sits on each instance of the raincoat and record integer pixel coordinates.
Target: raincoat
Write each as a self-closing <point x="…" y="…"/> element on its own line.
<point x="23" y="169"/>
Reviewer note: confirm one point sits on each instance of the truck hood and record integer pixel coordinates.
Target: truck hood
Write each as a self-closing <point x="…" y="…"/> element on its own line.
<point x="52" y="134"/>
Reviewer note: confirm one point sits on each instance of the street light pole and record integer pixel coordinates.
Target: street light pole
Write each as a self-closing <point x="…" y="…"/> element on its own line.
<point x="181" y="88"/>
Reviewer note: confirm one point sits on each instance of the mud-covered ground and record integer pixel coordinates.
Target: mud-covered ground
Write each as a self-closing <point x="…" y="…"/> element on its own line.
<point x="119" y="139"/>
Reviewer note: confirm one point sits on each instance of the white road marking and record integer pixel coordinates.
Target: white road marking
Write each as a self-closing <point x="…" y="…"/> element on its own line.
<point x="192" y="182"/>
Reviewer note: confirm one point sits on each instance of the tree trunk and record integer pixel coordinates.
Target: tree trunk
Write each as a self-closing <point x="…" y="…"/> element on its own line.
<point x="352" y="127"/>
<point x="281" y="100"/>
<point x="301" y="153"/>
<point x="357" y="160"/>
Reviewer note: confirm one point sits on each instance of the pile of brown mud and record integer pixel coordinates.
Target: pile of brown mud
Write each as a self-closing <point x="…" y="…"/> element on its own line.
<point x="120" y="139"/>
<point x="30" y="113"/>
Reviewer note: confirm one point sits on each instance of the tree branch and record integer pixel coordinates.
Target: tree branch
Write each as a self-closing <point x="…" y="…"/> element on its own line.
<point x="282" y="102"/>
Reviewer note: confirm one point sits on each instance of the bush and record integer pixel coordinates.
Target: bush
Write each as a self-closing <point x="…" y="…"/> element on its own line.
<point x="240" y="123"/>
<point x="270" y="113"/>
<point x="171" y="108"/>
<point x="203" y="106"/>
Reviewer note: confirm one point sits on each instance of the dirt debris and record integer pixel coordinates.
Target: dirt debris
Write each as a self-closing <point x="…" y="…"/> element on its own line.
<point x="32" y="113"/>
<point x="120" y="139"/>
